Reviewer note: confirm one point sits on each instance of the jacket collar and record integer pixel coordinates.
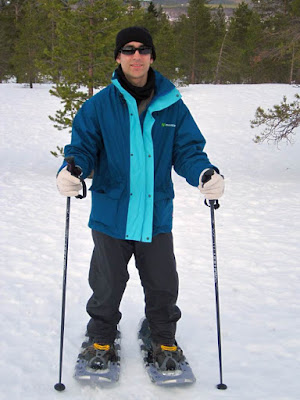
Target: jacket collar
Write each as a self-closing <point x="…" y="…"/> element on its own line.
<point x="165" y="91"/>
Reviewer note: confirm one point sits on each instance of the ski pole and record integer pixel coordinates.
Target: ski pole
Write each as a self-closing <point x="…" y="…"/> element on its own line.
<point x="214" y="204"/>
<point x="72" y="168"/>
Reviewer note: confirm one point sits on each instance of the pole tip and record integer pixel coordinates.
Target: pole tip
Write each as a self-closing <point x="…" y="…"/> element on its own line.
<point x="222" y="386"/>
<point x="59" y="387"/>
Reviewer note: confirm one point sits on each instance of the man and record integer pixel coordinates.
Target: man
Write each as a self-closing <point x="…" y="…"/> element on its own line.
<point x="131" y="134"/>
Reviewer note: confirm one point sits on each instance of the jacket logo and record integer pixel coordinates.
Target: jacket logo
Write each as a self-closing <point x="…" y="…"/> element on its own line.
<point x="168" y="125"/>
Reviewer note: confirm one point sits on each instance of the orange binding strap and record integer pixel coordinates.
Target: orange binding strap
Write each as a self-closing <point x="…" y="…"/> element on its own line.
<point x="168" y="348"/>
<point x="98" y="346"/>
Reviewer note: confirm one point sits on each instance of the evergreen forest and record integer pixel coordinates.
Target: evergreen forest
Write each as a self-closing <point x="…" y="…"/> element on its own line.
<point x="70" y="43"/>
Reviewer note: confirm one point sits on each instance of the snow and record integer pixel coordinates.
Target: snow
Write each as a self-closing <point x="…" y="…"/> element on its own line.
<point x="257" y="230"/>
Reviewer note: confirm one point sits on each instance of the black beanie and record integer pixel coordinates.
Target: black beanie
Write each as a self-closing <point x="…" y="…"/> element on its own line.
<point x="134" y="34"/>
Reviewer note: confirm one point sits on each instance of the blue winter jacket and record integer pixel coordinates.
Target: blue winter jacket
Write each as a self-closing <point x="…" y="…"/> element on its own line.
<point x="132" y="157"/>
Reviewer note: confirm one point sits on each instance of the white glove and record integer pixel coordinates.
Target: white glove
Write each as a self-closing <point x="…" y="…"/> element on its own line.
<point x="67" y="184"/>
<point x="211" y="184"/>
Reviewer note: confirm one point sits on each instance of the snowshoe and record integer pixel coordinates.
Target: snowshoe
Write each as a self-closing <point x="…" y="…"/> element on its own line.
<point x="98" y="362"/>
<point x="165" y="365"/>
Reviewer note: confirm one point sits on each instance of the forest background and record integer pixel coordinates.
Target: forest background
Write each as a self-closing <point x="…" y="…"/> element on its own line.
<point x="70" y="43"/>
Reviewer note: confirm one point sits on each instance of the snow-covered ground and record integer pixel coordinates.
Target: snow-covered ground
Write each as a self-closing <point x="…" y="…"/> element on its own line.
<point x="257" y="226"/>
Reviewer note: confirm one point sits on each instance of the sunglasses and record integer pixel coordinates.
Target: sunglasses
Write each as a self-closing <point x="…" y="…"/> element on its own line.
<point x="130" y="50"/>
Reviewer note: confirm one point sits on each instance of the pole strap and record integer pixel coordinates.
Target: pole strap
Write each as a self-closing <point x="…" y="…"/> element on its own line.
<point x="214" y="203"/>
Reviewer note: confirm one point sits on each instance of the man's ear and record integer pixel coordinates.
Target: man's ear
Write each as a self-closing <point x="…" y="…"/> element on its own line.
<point x="118" y="59"/>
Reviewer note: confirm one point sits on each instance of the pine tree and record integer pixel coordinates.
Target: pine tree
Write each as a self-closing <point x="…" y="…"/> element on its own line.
<point x="152" y="9"/>
<point x="196" y="42"/>
<point x="83" y="54"/>
<point x="295" y="8"/>
<point x="86" y="34"/>
<point x="166" y="50"/>
<point x="29" y="44"/>
<point x="239" y="46"/>
<point x="158" y="24"/>
<point x="280" y="122"/>
<point x="279" y="52"/>
<point x="48" y="63"/>
<point x="10" y="14"/>
<point x="7" y="33"/>
<point x="153" y="17"/>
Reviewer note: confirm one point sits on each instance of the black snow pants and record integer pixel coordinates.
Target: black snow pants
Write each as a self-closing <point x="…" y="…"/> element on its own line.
<point x="108" y="276"/>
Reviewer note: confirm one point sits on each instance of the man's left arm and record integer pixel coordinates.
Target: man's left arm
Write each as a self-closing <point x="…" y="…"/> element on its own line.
<point x="189" y="158"/>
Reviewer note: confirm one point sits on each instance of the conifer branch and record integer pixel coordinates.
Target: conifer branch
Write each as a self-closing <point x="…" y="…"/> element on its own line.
<point x="281" y="121"/>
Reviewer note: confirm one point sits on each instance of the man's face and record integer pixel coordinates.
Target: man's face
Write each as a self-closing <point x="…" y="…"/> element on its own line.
<point x="135" y="66"/>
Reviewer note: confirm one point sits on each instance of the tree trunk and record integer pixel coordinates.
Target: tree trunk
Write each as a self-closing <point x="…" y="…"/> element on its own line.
<point x="193" y="75"/>
<point x="91" y="58"/>
<point x="220" y="59"/>
<point x="91" y="74"/>
<point x="292" y="63"/>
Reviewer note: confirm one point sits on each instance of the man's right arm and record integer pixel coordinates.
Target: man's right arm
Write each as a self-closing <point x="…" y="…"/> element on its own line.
<point x="85" y="146"/>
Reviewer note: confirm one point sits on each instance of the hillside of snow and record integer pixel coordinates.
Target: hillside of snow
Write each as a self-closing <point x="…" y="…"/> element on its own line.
<point x="258" y="233"/>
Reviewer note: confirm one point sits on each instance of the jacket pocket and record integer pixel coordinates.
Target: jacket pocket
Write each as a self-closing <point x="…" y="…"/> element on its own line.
<point x="167" y="193"/>
<point x="105" y="205"/>
<point x="163" y="209"/>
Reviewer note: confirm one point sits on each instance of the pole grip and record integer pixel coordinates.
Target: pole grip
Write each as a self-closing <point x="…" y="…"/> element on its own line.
<point x="76" y="171"/>
<point x="207" y="176"/>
